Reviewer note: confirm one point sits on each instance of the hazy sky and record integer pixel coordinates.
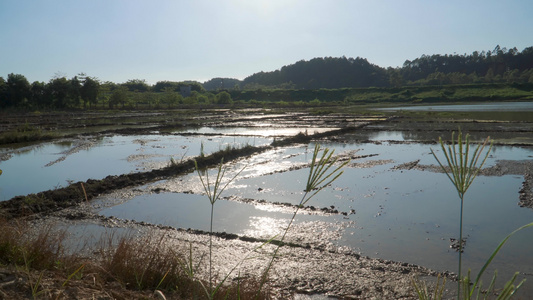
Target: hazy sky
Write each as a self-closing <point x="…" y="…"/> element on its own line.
<point x="176" y="40"/>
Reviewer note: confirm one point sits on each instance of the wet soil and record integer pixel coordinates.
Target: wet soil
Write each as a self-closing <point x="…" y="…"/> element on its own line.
<point x="301" y="268"/>
<point x="334" y="272"/>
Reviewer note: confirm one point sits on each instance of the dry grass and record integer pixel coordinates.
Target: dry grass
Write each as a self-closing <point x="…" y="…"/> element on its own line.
<point x="34" y="264"/>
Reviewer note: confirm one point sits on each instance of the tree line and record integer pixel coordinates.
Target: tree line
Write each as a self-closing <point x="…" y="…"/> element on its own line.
<point x="82" y="91"/>
<point x="500" y="65"/>
<point x="496" y="66"/>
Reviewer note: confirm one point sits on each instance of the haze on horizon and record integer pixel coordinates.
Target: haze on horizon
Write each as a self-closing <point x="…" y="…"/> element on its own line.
<point x="199" y="40"/>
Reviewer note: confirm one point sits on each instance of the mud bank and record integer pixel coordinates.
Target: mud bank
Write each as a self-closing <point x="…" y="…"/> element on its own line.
<point x="53" y="200"/>
<point x="301" y="268"/>
<point x="338" y="272"/>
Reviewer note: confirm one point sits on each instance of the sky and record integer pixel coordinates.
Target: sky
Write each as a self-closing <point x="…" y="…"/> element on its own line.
<point x="177" y="40"/>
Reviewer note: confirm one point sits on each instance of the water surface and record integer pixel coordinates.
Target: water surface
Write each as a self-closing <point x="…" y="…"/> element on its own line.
<point x="487" y="107"/>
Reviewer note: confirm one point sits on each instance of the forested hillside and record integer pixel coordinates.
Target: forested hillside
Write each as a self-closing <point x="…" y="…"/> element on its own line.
<point x="493" y="66"/>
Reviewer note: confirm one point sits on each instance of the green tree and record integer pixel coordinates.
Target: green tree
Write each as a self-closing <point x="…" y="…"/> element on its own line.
<point x="18" y="90"/>
<point x="89" y="91"/>
<point x="3" y="92"/>
<point x="161" y="85"/>
<point x="224" y="98"/>
<point x="136" y="85"/>
<point x="74" y="92"/>
<point x="119" y="96"/>
<point x="59" y="89"/>
<point x="202" y="99"/>
<point x="395" y="77"/>
<point x="105" y="91"/>
<point x="192" y="99"/>
<point x="39" y="94"/>
<point x="212" y="98"/>
<point x="170" y="97"/>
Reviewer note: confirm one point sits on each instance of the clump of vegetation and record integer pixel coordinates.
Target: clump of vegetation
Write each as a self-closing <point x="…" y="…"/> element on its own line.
<point x="462" y="167"/>
<point x="323" y="171"/>
<point x="25" y="133"/>
<point x="213" y="191"/>
<point x="37" y="265"/>
<point x="152" y="263"/>
<point x="31" y="254"/>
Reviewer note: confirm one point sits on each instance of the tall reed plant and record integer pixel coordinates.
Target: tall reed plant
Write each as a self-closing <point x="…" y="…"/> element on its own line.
<point x="213" y="191"/>
<point x="323" y="171"/>
<point x="469" y="288"/>
<point x="462" y="166"/>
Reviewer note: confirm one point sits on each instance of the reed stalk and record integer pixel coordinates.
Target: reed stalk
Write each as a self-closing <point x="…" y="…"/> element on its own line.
<point x="322" y="173"/>
<point x="462" y="168"/>
<point x="213" y="191"/>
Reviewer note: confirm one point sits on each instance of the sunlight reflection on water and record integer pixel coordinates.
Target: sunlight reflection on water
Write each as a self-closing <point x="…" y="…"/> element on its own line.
<point x="265" y="226"/>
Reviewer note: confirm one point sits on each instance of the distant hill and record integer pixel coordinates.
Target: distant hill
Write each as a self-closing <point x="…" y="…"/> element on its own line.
<point x="492" y="66"/>
<point x="222" y="84"/>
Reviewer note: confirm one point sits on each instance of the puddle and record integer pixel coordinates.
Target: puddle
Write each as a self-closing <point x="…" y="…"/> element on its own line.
<point x="193" y="211"/>
<point x="390" y="213"/>
<point x="383" y="211"/>
<point x="51" y="165"/>
<point x="260" y="129"/>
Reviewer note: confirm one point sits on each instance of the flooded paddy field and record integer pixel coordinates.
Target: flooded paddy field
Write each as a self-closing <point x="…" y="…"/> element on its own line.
<point x="391" y="214"/>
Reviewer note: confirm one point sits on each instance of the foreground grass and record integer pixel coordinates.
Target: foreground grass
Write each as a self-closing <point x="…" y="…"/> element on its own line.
<point x="34" y="264"/>
<point x="462" y="166"/>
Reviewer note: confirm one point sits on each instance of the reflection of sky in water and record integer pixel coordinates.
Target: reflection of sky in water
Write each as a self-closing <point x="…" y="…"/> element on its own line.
<point x="193" y="211"/>
<point x="268" y="130"/>
<point x="405" y="215"/>
<point x="387" y="136"/>
<point x="27" y="171"/>
<point x="409" y="215"/>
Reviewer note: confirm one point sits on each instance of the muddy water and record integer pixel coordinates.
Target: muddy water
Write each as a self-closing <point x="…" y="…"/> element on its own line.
<point x="381" y="208"/>
<point x="386" y="205"/>
<point x="264" y="130"/>
<point x="36" y="168"/>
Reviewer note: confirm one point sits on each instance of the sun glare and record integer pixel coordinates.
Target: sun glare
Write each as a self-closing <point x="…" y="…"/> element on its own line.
<point x="265" y="227"/>
<point x="263" y="7"/>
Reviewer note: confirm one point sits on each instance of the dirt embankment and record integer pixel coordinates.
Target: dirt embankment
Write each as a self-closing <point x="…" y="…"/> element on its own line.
<point x="300" y="268"/>
<point x="53" y="200"/>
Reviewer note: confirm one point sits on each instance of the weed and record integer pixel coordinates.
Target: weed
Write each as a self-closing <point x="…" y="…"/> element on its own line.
<point x="321" y="174"/>
<point x="462" y="170"/>
<point x="36" y="252"/>
<point x="174" y="163"/>
<point x="469" y="288"/>
<point x="424" y="293"/>
<point x="151" y="262"/>
<point x="141" y="263"/>
<point x="213" y="192"/>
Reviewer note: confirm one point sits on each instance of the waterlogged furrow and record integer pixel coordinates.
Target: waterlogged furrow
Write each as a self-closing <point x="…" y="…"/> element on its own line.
<point x="392" y="203"/>
<point x="54" y="165"/>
